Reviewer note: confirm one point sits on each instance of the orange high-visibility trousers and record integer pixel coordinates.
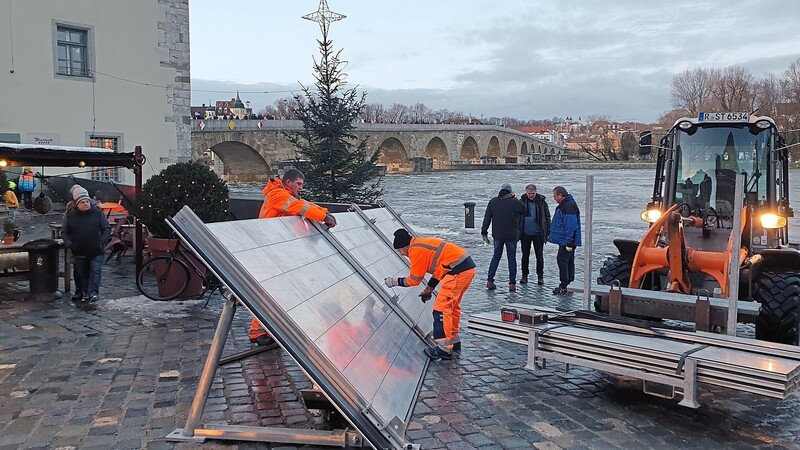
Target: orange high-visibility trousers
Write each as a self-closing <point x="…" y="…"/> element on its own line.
<point x="256" y="331"/>
<point x="448" y="302"/>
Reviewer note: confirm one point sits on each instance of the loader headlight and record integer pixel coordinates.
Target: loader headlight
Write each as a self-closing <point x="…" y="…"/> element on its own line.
<point x="772" y="221"/>
<point x="651" y="215"/>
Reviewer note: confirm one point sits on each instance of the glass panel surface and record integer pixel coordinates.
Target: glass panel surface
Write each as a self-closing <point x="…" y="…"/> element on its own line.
<point x="332" y="304"/>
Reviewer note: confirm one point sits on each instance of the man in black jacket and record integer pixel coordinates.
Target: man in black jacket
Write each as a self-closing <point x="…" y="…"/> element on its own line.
<point x="504" y="213"/>
<point x="535" y="230"/>
<point x="85" y="231"/>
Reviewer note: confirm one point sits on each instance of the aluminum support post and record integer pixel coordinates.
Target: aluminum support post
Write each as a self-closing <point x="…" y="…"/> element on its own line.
<point x="587" y="244"/>
<point x="690" y="384"/>
<point x="736" y="245"/>
<point x="210" y="367"/>
<point x="533" y="344"/>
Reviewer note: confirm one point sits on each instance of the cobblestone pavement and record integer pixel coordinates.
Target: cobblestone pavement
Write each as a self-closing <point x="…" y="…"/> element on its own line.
<point x="122" y="375"/>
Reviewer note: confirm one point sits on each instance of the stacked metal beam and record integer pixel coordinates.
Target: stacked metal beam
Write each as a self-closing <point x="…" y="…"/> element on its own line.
<point x="653" y="352"/>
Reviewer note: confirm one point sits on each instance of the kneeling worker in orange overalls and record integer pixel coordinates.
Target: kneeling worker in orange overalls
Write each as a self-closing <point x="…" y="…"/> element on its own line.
<point x="282" y="198"/>
<point x="453" y="269"/>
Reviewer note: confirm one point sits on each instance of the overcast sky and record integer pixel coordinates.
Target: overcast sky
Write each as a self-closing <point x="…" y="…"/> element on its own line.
<point x="518" y="58"/>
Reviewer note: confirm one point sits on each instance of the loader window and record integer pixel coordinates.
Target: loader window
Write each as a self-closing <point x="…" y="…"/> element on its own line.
<point x="709" y="158"/>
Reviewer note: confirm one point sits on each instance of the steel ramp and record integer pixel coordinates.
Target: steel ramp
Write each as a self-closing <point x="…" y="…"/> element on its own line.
<point x="327" y="310"/>
<point x="654" y="355"/>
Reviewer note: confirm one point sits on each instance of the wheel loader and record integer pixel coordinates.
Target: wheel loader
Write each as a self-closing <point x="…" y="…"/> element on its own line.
<point x="688" y="246"/>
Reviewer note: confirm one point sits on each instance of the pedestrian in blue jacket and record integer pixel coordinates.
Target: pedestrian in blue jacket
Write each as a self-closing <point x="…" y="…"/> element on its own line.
<point x="565" y="231"/>
<point x="27" y="184"/>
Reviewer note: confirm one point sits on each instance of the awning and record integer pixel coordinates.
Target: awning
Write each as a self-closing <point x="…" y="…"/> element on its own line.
<point x="63" y="156"/>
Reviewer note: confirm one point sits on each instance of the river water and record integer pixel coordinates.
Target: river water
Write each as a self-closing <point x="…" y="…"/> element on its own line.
<point x="432" y="204"/>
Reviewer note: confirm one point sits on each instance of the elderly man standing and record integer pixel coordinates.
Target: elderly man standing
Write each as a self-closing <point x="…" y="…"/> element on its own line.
<point x="535" y="228"/>
<point x="504" y="213"/>
<point x="566" y="233"/>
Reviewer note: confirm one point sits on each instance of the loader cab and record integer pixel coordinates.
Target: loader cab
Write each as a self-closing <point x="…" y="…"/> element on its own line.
<point x="697" y="165"/>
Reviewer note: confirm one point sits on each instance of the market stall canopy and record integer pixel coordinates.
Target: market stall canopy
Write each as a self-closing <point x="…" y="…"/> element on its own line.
<point x="62" y="156"/>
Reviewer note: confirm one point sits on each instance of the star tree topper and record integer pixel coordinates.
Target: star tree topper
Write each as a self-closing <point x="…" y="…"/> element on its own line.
<point x="324" y="16"/>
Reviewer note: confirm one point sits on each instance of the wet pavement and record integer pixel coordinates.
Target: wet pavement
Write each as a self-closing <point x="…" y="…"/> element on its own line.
<point x="121" y="374"/>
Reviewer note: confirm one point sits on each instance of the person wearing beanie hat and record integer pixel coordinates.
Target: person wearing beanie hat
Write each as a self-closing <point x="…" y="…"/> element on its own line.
<point x="402" y="238"/>
<point x="452" y="268"/>
<point x="79" y="193"/>
<point x="281" y="199"/>
<point x="85" y="232"/>
<point x="504" y="213"/>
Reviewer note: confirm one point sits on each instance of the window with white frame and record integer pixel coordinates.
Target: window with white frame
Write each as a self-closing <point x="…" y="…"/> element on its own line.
<point x="73" y="51"/>
<point x="105" y="173"/>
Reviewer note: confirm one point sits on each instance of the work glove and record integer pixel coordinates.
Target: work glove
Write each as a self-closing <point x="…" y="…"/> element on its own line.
<point x="485" y="239"/>
<point x="392" y="281"/>
<point x="569" y="249"/>
<point x="426" y="294"/>
<point x="330" y="221"/>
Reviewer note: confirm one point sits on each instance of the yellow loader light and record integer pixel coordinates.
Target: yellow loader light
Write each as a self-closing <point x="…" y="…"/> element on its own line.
<point x="772" y="221"/>
<point x="651" y="215"/>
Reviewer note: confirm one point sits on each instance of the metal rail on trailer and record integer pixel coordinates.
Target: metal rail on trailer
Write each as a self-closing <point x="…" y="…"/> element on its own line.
<point x="679" y="359"/>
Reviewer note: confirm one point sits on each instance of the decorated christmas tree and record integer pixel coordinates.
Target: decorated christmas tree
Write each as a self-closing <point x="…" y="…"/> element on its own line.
<point x="338" y="167"/>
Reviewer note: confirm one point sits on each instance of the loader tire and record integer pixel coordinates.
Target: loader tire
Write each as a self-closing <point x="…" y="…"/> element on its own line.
<point x="614" y="268"/>
<point x="779" y="317"/>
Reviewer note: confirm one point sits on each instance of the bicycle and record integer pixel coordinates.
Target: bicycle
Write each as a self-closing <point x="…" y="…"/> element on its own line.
<point x="166" y="277"/>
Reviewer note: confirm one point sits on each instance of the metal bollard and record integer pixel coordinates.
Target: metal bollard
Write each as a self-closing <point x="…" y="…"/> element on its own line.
<point x="469" y="214"/>
<point x="43" y="266"/>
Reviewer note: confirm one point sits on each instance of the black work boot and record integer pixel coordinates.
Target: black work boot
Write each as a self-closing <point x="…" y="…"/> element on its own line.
<point x="523" y="280"/>
<point x="77" y="296"/>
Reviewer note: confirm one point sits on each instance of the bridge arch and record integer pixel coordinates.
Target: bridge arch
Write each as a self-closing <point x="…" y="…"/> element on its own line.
<point x="469" y="150"/>
<point x="393" y="151"/>
<point x="240" y="162"/>
<point x="494" y="147"/>
<point x="524" y="149"/>
<point x="511" y="149"/>
<point x="436" y="149"/>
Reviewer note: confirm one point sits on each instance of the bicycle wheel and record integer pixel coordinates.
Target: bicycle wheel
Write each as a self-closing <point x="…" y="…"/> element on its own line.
<point x="162" y="278"/>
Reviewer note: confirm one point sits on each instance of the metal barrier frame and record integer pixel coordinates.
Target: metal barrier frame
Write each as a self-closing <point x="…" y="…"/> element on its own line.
<point x="344" y="399"/>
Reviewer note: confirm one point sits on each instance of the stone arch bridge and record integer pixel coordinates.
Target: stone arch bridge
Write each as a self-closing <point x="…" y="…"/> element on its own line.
<point x="248" y="150"/>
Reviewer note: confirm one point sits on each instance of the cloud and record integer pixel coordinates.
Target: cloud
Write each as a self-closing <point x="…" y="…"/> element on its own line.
<point x="530" y="60"/>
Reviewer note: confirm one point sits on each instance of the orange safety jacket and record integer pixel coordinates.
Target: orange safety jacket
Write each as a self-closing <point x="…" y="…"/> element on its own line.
<point x="279" y="202"/>
<point x="434" y="256"/>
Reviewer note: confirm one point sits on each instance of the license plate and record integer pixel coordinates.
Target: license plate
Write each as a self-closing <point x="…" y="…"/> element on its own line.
<point x="724" y="117"/>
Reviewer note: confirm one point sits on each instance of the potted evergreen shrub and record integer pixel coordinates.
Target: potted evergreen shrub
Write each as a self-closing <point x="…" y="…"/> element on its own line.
<point x="8" y="232"/>
<point x="183" y="184"/>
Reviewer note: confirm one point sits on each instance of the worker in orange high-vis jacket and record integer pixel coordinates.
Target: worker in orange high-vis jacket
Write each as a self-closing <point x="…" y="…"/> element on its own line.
<point x="452" y="269"/>
<point x="282" y="198"/>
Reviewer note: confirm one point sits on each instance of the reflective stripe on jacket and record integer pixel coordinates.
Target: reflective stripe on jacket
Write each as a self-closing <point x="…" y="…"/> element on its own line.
<point x="279" y="202"/>
<point x="434" y="256"/>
